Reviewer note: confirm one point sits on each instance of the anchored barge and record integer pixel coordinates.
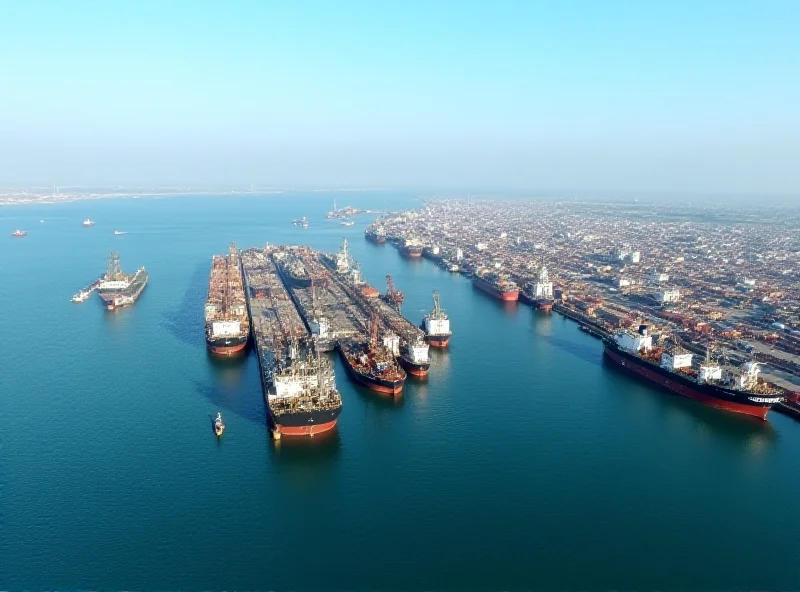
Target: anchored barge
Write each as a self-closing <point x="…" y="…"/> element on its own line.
<point x="117" y="289"/>
<point x="298" y="384"/>
<point x="227" y="323"/>
<point x="733" y="389"/>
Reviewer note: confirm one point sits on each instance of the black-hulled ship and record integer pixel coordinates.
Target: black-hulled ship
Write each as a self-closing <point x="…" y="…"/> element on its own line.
<point x="734" y="389"/>
<point x="539" y="293"/>
<point x="117" y="289"/>
<point x="293" y="269"/>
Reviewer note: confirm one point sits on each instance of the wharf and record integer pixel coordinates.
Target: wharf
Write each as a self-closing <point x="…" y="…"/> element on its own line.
<point x="592" y="326"/>
<point x="787" y="408"/>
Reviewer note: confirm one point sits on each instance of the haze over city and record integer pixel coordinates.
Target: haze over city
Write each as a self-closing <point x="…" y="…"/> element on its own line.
<point x="606" y="97"/>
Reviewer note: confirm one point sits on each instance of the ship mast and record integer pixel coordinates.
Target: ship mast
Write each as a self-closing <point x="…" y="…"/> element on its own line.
<point x="437" y="309"/>
<point x="373" y="332"/>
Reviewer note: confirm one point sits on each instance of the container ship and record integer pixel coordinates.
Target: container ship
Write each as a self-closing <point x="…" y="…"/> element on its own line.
<point x="497" y="286"/>
<point x="412" y="248"/>
<point x="117" y="289"/>
<point x="414" y="356"/>
<point x="375" y="233"/>
<point x="298" y="384"/>
<point x="734" y="389"/>
<point x="540" y="293"/>
<point x="227" y="323"/>
<point x="373" y="364"/>
<point x="436" y="325"/>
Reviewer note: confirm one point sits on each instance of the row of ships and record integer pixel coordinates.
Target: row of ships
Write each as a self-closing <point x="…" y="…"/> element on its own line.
<point x="538" y="294"/>
<point x="251" y="293"/>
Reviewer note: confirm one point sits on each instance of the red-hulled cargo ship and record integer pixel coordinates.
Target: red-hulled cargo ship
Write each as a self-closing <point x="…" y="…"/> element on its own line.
<point x="372" y="364"/>
<point x="436" y="325"/>
<point x="497" y="286"/>
<point x="738" y="389"/>
<point x="227" y="321"/>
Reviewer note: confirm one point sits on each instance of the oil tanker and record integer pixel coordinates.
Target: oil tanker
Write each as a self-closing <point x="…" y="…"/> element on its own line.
<point x="227" y="322"/>
<point x="436" y="325"/>
<point x="373" y="364"/>
<point x="733" y="389"/>
<point x="497" y="286"/>
<point x="298" y="384"/>
<point x="117" y="289"/>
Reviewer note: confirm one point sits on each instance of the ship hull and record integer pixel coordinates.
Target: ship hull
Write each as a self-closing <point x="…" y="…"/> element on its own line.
<point x="685" y="387"/>
<point x="543" y="305"/>
<point x="305" y="424"/>
<point x="486" y="287"/>
<point x="379" y="385"/>
<point x="115" y="299"/>
<point x="376" y="239"/>
<point x="411" y="253"/>
<point x="440" y="341"/>
<point x="226" y="346"/>
<point x="414" y="368"/>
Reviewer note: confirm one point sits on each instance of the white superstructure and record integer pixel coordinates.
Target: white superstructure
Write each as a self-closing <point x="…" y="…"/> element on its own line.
<point x="544" y="287"/>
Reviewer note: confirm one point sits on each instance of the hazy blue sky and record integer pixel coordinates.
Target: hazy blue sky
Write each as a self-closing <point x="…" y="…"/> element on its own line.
<point x="666" y="96"/>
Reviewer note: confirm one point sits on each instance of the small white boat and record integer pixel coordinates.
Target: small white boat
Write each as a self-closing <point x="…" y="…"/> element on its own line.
<point x="81" y="296"/>
<point x="119" y="232"/>
<point x="219" y="427"/>
<point x="88" y="222"/>
<point x="19" y="233"/>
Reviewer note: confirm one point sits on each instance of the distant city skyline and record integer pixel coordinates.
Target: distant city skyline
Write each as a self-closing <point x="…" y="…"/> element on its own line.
<point x="679" y="98"/>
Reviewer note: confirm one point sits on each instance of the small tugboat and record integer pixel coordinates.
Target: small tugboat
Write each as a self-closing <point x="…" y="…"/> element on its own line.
<point x="19" y="233"/>
<point x="219" y="427"/>
<point x="81" y="296"/>
<point x="88" y="222"/>
<point x="118" y="232"/>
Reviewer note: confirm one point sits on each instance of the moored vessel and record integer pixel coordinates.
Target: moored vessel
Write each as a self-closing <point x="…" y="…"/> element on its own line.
<point x="739" y="390"/>
<point x="227" y="326"/>
<point x="414" y="357"/>
<point x="375" y="233"/>
<point x="117" y="289"/>
<point x="436" y="325"/>
<point x="373" y="364"/>
<point x="298" y="384"/>
<point x="219" y="426"/>
<point x="540" y="293"/>
<point x="496" y="285"/>
<point x="411" y="248"/>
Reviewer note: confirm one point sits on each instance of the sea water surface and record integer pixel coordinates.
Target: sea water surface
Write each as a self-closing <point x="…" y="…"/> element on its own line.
<point x="523" y="461"/>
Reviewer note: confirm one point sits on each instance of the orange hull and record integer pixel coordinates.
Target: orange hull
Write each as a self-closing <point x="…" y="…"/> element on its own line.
<point x="308" y="430"/>
<point x="438" y="342"/>
<point x="227" y="351"/>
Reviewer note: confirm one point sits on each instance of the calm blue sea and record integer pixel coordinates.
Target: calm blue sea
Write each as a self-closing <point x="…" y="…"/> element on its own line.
<point x="523" y="461"/>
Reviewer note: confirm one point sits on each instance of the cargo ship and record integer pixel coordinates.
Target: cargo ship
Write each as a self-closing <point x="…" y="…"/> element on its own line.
<point x="117" y="289"/>
<point x="733" y="389"/>
<point x="412" y="248"/>
<point x="19" y="233"/>
<point x="436" y="325"/>
<point x="540" y="293"/>
<point x="497" y="286"/>
<point x="375" y="233"/>
<point x="227" y="323"/>
<point x="414" y="357"/>
<point x="298" y="384"/>
<point x="372" y="364"/>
